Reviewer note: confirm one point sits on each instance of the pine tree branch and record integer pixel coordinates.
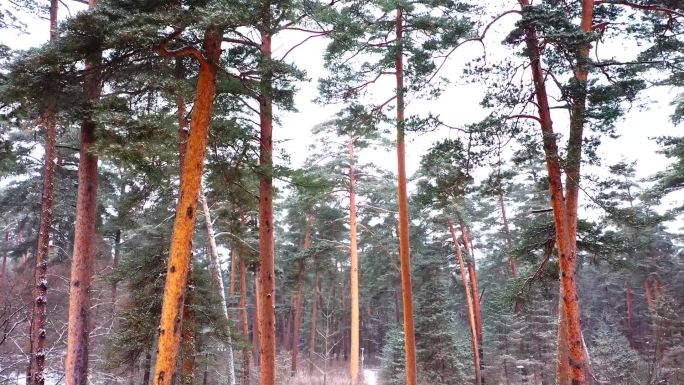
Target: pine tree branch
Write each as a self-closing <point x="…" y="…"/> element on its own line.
<point x="670" y="12"/>
<point x="180" y="52"/>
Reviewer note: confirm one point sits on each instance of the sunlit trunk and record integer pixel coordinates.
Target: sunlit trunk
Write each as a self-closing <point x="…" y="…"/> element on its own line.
<point x="183" y="229"/>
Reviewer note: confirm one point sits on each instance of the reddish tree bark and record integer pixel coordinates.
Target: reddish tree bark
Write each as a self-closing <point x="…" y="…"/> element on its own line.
<point x="404" y="242"/>
<point x="267" y="327"/>
<point x="472" y="273"/>
<point x="76" y="361"/>
<point x="181" y="242"/>
<point x="469" y="303"/>
<point x="40" y="285"/>
<point x="572" y="353"/>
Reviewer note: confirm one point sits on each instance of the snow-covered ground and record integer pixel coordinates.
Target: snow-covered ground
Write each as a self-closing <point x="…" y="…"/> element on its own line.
<point x="370" y="376"/>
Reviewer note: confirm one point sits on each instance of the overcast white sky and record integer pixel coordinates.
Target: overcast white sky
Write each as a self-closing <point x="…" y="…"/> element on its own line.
<point x="458" y="105"/>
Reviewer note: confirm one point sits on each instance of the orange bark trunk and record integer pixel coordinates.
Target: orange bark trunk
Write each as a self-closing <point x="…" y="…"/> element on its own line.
<point x="181" y="241"/>
<point x="472" y="273"/>
<point x="565" y="221"/>
<point x="38" y="332"/>
<point x="404" y="242"/>
<point x="76" y="361"/>
<point x="353" y="271"/>
<point x="267" y="327"/>
<point x="471" y="310"/>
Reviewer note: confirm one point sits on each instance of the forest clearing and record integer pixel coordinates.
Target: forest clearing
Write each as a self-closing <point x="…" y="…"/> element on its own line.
<point x="341" y="192"/>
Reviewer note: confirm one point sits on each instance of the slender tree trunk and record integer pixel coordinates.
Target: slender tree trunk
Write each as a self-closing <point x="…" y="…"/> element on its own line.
<point x="233" y="271"/>
<point x="314" y="320"/>
<point x="217" y="277"/>
<point x="76" y="361"/>
<point x="472" y="273"/>
<point x="256" y="322"/>
<point x="570" y="335"/>
<point x="267" y="328"/>
<point x="244" y="319"/>
<point x="507" y="233"/>
<point x="286" y="339"/>
<point x="296" y="330"/>
<point x="181" y="242"/>
<point x="3" y="270"/>
<point x="38" y="332"/>
<point x="115" y="265"/>
<point x="469" y="302"/>
<point x="299" y="297"/>
<point x="354" y="270"/>
<point x="572" y="181"/>
<point x="630" y="330"/>
<point x="404" y="243"/>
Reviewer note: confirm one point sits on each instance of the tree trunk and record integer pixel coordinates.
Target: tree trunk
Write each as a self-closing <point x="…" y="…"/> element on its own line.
<point x="181" y="242"/>
<point x="76" y="361"/>
<point x="574" y="364"/>
<point x="256" y="322"/>
<point x="233" y="271"/>
<point x="404" y="243"/>
<point x="3" y="269"/>
<point x="296" y="330"/>
<point x="217" y="277"/>
<point x="115" y="264"/>
<point x="472" y="273"/>
<point x="39" y="314"/>
<point x="469" y="302"/>
<point x="314" y="319"/>
<point x="189" y="323"/>
<point x="507" y="233"/>
<point x="267" y="327"/>
<point x="244" y="320"/>
<point x="286" y="339"/>
<point x="354" y="270"/>
<point x="299" y="298"/>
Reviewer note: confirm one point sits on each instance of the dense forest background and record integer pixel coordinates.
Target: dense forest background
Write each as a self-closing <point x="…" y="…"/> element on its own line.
<point x="341" y="192"/>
